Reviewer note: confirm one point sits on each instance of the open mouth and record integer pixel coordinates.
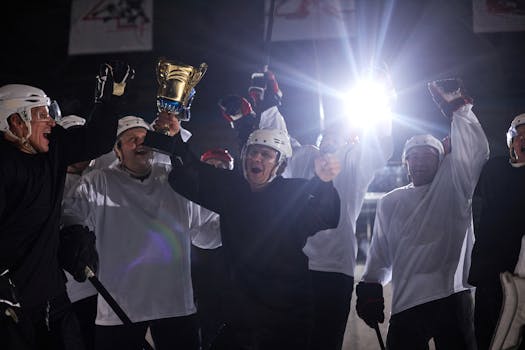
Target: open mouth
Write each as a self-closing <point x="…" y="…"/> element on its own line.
<point x="256" y="170"/>
<point x="142" y="151"/>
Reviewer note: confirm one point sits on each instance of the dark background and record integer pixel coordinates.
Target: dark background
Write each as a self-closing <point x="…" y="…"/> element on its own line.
<point x="419" y="40"/>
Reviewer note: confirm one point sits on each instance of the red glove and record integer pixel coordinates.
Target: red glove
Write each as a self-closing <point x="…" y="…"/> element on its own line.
<point x="264" y="90"/>
<point x="235" y="107"/>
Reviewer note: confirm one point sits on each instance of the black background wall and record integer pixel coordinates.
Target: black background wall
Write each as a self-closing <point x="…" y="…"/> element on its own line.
<point x="420" y="41"/>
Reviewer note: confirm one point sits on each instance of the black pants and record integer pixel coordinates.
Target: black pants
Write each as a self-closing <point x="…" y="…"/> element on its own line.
<point x="51" y="325"/>
<point x="167" y="333"/>
<point x="86" y="312"/>
<point x="486" y="314"/>
<point x="449" y="321"/>
<point x="209" y="277"/>
<point x="332" y="296"/>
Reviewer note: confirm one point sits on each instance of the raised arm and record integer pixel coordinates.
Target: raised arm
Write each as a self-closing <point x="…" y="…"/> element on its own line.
<point x="98" y="136"/>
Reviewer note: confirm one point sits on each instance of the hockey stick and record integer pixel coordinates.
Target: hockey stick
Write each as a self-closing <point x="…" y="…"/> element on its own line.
<point x="112" y="302"/>
<point x="379" y="337"/>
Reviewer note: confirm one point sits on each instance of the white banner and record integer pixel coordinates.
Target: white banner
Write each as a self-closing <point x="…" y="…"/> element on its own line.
<point x="102" y="26"/>
<point x="498" y="16"/>
<point x="311" y="19"/>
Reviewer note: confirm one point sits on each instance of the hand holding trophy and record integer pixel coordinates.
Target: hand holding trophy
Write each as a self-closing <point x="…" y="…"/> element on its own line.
<point x="175" y="94"/>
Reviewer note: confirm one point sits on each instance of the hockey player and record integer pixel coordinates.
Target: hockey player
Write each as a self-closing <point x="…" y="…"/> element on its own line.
<point x="34" y="155"/>
<point x="143" y="240"/>
<point x="500" y="190"/>
<point x="265" y="221"/>
<point x="423" y="234"/>
<point x="332" y="253"/>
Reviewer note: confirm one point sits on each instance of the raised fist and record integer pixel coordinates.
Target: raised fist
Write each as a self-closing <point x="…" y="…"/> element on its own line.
<point x="449" y="95"/>
<point x="264" y="90"/>
<point x="112" y="79"/>
<point x="235" y="107"/>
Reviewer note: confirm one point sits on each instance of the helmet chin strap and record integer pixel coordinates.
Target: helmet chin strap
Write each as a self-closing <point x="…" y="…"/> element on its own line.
<point x="22" y="142"/>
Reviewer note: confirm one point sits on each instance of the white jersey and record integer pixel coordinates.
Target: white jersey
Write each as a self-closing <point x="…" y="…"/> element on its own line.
<point x="335" y="250"/>
<point x="143" y="241"/>
<point x="76" y="290"/>
<point x="423" y="235"/>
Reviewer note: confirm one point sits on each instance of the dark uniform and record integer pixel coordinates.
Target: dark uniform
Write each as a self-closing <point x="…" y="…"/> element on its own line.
<point x="31" y="188"/>
<point x="263" y="233"/>
<point x="500" y="191"/>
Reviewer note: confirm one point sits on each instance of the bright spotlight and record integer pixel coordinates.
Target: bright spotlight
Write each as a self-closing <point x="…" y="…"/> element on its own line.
<point x="368" y="103"/>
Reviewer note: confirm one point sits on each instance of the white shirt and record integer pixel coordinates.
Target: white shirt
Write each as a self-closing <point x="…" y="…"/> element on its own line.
<point x="423" y="235"/>
<point x="76" y="290"/>
<point x="143" y="241"/>
<point x="335" y="250"/>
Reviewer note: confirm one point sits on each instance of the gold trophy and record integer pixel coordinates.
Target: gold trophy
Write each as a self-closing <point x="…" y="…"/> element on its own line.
<point x="177" y="83"/>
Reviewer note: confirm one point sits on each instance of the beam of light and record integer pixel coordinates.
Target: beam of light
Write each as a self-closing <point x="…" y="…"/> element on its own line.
<point x="367" y="104"/>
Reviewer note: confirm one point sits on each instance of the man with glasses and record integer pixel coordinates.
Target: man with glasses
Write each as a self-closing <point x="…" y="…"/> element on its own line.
<point x="35" y="311"/>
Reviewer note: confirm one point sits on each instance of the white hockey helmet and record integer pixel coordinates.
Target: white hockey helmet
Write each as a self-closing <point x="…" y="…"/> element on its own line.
<point x="70" y="121"/>
<point x="20" y="99"/>
<point x="423" y="140"/>
<point x="517" y="121"/>
<point x="274" y="138"/>
<point x="130" y="122"/>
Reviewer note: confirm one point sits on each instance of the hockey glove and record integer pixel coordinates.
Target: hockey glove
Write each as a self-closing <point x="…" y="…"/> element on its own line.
<point x="9" y="303"/>
<point x="264" y="90"/>
<point x="370" y="303"/>
<point x="449" y="95"/>
<point x="112" y="79"/>
<point x="235" y="107"/>
<point x="77" y="250"/>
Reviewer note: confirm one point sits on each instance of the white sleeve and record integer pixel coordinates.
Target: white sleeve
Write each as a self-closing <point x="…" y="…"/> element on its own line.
<point x="272" y="119"/>
<point x="78" y="205"/>
<point x="372" y="153"/>
<point x="470" y="149"/>
<point x="378" y="268"/>
<point x="205" y="228"/>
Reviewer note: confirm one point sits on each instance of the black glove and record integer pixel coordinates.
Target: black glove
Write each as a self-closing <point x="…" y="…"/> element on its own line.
<point x="264" y="90"/>
<point x="9" y="304"/>
<point x="235" y="107"/>
<point x="449" y="95"/>
<point x="370" y="303"/>
<point x="77" y="250"/>
<point x="112" y="79"/>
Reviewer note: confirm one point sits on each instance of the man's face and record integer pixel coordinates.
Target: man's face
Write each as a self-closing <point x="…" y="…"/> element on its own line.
<point x="133" y="155"/>
<point x="260" y="163"/>
<point x="41" y="125"/>
<point x="423" y="163"/>
<point x="518" y="144"/>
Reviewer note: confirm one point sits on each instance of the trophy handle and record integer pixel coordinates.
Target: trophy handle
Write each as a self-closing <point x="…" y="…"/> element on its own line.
<point x="197" y="75"/>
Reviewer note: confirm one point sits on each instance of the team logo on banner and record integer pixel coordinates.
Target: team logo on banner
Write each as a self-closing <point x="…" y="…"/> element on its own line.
<point x="103" y="26"/>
